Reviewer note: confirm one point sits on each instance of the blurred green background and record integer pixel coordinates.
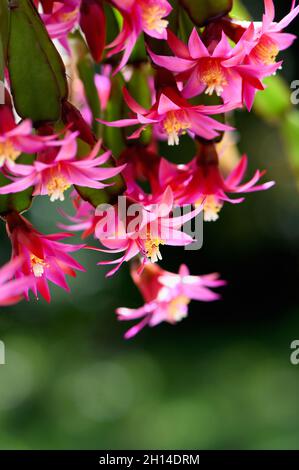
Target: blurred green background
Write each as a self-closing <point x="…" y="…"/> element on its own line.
<point x="222" y="379"/>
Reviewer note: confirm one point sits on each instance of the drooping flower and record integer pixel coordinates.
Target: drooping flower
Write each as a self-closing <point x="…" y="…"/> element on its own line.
<point x="174" y="116"/>
<point x="55" y="171"/>
<point x="16" y="139"/>
<point x="219" y="70"/>
<point x="142" y="230"/>
<point x="61" y="19"/>
<point x="138" y="16"/>
<point x="201" y="182"/>
<point x="43" y="256"/>
<point x="167" y="296"/>
<point x="12" y="290"/>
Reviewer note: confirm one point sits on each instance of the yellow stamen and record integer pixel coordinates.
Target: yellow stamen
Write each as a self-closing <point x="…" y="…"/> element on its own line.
<point x="69" y="16"/>
<point x="37" y="265"/>
<point x="175" y="125"/>
<point x="56" y="187"/>
<point x="211" y="208"/>
<point x="152" y="248"/>
<point x="213" y="77"/>
<point x="152" y="17"/>
<point x="266" y="51"/>
<point x="8" y="152"/>
<point x="176" y="310"/>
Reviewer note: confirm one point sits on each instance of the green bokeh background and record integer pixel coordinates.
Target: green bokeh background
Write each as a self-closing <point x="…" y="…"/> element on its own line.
<point x="222" y="379"/>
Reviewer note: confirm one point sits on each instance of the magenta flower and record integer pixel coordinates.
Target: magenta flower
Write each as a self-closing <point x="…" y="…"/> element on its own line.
<point x="174" y="116"/>
<point x="55" y="171"/>
<point x="167" y="296"/>
<point x="62" y="19"/>
<point x="12" y="290"/>
<point x="138" y="16"/>
<point x="221" y="69"/>
<point x="144" y="233"/>
<point x="268" y="38"/>
<point x="43" y="256"/>
<point x="201" y="182"/>
<point x="17" y="139"/>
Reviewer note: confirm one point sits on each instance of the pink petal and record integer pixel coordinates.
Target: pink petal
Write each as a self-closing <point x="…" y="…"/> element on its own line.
<point x="120" y="122"/>
<point x="132" y="104"/>
<point x="136" y="329"/>
<point x="287" y="19"/>
<point x="184" y="270"/>
<point x="193" y="86"/>
<point x="174" y="64"/>
<point x="196" y="47"/>
<point x="68" y="151"/>
<point x="237" y="173"/>
<point x="166" y="105"/>
<point x="19" y="185"/>
<point x="269" y="15"/>
<point x="223" y="48"/>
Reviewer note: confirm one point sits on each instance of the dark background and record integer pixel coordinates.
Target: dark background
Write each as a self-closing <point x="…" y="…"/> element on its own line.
<point x="221" y="379"/>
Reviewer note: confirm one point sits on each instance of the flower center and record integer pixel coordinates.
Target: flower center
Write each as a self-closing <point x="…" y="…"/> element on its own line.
<point x="56" y="187"/>
<point x="175" y="125"/>
<point x="37" y="265"/>
<point x="8" y="152"/>
<point x="152" y="248"/>
<point x="152" y="17"/>
<point x="265" y="51"/>
<point x="177" y="308"/>
<point x="213" y="77"/>
<point x="211" y="208"/>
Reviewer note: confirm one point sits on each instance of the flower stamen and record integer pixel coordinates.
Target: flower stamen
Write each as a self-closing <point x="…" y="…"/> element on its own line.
<point x="152" y="248"/>
<point x="152" y="17"/>
<point x="8" y="152"/>
<point x="211" y="208"/>
<point x="37" y="265"/>
<point x="213" y="77"/>
<point x="56" y="187"/>
<point x="175" y="126"/>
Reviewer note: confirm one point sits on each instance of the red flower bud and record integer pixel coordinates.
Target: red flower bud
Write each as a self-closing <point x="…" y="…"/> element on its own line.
<point x="93" y="24"/>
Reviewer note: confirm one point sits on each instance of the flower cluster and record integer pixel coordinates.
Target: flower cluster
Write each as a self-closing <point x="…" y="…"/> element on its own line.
<point x="130" y="68"/>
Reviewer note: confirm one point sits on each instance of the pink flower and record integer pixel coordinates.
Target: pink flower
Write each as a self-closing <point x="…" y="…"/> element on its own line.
<point x="267" y="38"/>
<point x="12" y="290"/>
<point x="16" y="139"/>
<point x="167" y="296"/>
<point x="174" y="116"/>
<point x="62" y="19"/>
<point x="138" y="16"/>
<point x="221" y="69"/>
<point x="142" y="231"/>
<point x="55" y="171"/>
<point x="201" y="182"/>
<point x="43" y="256"/>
